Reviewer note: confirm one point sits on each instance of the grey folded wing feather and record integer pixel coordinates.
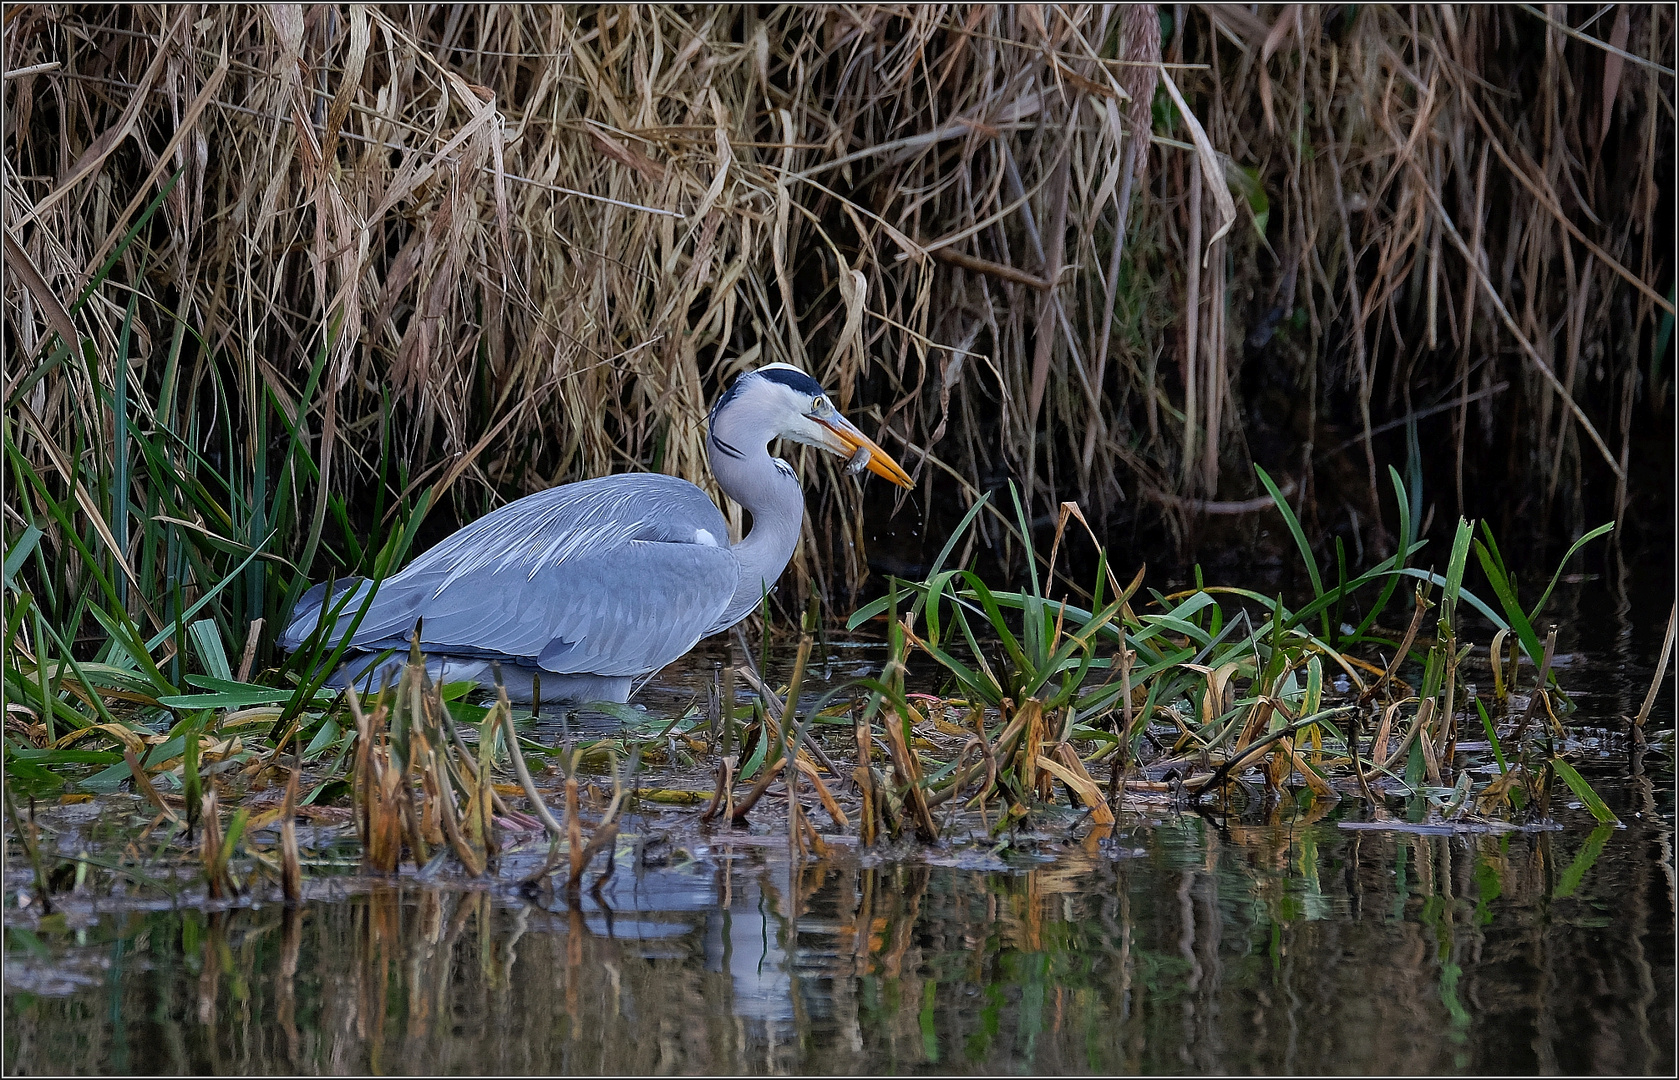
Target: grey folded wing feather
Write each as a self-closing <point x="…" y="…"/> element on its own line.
<point x="613" y="576"/>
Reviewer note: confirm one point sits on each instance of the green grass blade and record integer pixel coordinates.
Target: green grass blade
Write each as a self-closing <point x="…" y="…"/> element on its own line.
<point x="1583" y="862"/>
<point x="315" y="676"/>
<point x="1492" y="549"/>
<point x="1333" y="626"/>
<point x="1533" y="615"/>
<point x="874" y="608"/>
<point x="1407" y="547"/>
<point x="1313" y="701"/>
<point x="994" y="615"/>
<point x="1454" y="572"/>
<point x="22" y="606"/>
<point x="972" y="683"/>
<point x="236" y="696"/>
<point x="59" y="354"/>
<point x="961" y="527"/>
<point x="163" y="635"/>
<point x="1294" y="529"/>
<point x="1583" y="790"/>
<point x="120" y="638"/>
<point x="1465" y="595"/>
<point x="1156" y="624"/>
<point x="992" y="688"/>
<point x="119" y="418"/>
<point x="104" y="271"/>
<point x="1492" y="737"/>
<point x="20" y="553"/>
<point x="318" y="515"/>
<point x="192" y="784"/>
<point x="325" y="737"/>
<point x="1506" y="593"/>
<point x="1026" y="541"/>
<point x="105" y="716"/>
<point x="235" y="831"/>
<point x="208" y="644"/>
<point x="64" y="519"/>
<point x="1079" y="640"/>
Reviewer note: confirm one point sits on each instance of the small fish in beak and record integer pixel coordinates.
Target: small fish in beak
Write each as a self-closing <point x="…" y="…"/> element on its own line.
<point x="860" y="451"/>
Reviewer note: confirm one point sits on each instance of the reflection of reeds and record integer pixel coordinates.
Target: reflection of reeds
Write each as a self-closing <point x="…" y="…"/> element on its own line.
<point x="291" y="869"/>
<point x="1091" y="958"/>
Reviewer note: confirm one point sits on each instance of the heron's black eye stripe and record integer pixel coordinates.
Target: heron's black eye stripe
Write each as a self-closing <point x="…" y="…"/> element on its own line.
<point x="723" y="446"/>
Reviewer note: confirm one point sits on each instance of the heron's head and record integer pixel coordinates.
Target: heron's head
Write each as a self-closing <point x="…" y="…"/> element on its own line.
<point x="780" y="401"/>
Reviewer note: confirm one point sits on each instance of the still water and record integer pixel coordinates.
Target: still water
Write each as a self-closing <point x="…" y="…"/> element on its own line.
<point x="1174" y="947"/>
<point x="1280" y="942"/>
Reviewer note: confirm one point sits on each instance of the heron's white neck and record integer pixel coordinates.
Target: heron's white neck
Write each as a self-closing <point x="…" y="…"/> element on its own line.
<point x="750" y="476"/>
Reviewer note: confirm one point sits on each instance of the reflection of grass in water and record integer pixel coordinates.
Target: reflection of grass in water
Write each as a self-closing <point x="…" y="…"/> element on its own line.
<point x="468" y="956"/>
<point x="990" y="1023"/>
<point x="1488" y="888"/>
<point x="929" y="1035"/>
<point x="1450" y="973"/>
<point x="1030" y="973"/>
<point x="1434" y="915"/>
<point x="1583" y="861"/>
<point x="1165" y="975"/>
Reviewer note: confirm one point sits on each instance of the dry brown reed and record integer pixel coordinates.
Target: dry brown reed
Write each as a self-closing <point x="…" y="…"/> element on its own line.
<point x="533" y="242"/>
<point x="416" y="784"/>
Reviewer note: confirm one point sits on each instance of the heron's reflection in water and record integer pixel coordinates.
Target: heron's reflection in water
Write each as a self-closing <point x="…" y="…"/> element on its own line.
<point x="732" y="908"/>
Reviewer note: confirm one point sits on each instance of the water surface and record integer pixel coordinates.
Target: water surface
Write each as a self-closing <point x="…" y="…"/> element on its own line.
<point x="1279" y="942"/>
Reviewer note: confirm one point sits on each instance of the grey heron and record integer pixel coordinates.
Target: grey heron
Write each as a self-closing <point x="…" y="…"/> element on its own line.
<point x="591" y="585"/>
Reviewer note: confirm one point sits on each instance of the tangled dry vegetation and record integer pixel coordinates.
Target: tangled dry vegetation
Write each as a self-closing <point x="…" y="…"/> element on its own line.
<point x="1215" y="697"/>
<point x="342" y="262"/>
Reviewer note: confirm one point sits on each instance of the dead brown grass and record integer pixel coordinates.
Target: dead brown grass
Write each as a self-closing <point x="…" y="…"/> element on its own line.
<point x="533" y="242"/>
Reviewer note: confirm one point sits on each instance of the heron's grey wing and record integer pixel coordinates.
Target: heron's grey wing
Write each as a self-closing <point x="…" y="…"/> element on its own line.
<point x="629" y="611"/>
<point x="306" y="613"/>
<point x="617" y="575"/>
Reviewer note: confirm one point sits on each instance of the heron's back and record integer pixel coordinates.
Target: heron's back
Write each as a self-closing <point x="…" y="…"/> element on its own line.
<point x="614" y="576"/>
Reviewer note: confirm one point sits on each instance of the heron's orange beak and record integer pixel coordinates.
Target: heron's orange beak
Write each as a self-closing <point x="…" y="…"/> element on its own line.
<point x="848" y="440"/>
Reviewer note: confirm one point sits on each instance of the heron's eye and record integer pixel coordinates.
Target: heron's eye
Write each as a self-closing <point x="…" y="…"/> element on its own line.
<point x="819" y="405"/>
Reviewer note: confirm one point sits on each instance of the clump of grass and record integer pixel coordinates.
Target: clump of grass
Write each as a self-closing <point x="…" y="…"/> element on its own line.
<point x="1212" y="693"/>
<point x="420" y="788"/>
<point x="1224" y="696"/>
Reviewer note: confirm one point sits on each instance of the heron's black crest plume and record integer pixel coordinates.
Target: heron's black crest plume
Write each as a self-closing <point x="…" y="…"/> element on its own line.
<point x="787" y="376"/>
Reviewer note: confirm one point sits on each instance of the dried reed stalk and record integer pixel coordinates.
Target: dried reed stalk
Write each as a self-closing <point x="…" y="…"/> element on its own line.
<point x="529" y="244"/>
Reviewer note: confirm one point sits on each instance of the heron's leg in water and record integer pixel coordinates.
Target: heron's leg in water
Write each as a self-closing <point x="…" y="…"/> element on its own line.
<point x="858" y="461"/>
